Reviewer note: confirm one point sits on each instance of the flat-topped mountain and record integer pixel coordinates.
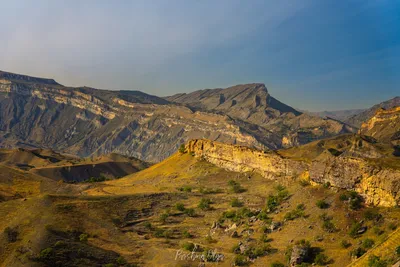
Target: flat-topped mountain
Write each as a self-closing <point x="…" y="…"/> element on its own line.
<point x="83" y="121"/>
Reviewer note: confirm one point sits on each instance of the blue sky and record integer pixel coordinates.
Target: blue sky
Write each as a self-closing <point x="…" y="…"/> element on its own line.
<point x="311" y="54"/>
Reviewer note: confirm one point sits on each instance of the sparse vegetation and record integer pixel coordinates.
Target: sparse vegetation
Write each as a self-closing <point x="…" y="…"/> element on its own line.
<point x="235" y="187"/>
<point x="297" y="213"/>
<point x="322" y="204"/>
<point x="83" y="237"/>
<point x="11" y="234"/>
<point x="353" y="198"/>
<point x="182" y="149"/>
<point x="235" y="202"/>
<point x="205" y="204"/>
<point x="185" y="188"/>
<point x="321" y="259"/>
<point x="375" y="261"/>
<point x="345" y="244"/>
<point x="354" y="230"/>
<point x="180" y="206"/>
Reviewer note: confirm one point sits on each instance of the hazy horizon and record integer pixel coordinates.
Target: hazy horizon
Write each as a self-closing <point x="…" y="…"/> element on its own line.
<point x="311" y="55"/>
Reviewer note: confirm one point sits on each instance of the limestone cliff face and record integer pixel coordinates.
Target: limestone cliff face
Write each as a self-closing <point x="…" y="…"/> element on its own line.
<point x="379" y="186"/>
<point x="244" y="159"/>
<point x="384" y="125"/>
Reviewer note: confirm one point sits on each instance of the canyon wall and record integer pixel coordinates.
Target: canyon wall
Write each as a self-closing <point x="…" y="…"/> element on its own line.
<point x="380" y="186"/>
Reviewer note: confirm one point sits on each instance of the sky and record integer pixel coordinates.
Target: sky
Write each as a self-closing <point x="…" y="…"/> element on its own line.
<point x="311" y="54"/>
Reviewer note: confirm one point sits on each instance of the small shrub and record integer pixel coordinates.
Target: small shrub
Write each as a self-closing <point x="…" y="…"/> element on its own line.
<point x="345" y="244"/>
<point x="392" y="226"/>
<point x="59" y="244"/>
<point x="11" y="234"/>
<point x="358" y="252"/>
<point x="344" y="197"/>
<point x="190" y="212"/>
<point x="159" y="233"/>
<point x="235" y="202"/>
<point x="321" y="259"/>
<point x="148" y="225"/>
<point x="354" y="229"/>
<point x="205" y="204"/>
<point x="322" y="204"/>
<point x="208" y="191"/>
<point x="372" y="215"/>
<point x="329" y="227"/>
<point x="120" y="260"/>
<point x="368" y="243"/>
<point x="186" y="234"/>
<point x="304" y="183"/>
<point x="240" y="260"/>
<point x="180" y="206"/>
<point x="163" y="217"/>
<point x="83" y="237"/>
<point x="185" y="188"/>
<point x="375" y="261"/>
<point x="277" y="264"/>
<point x="182" y="149"/>
<point x="327" y="184"/>
<point x="236" y="187"/>
<point x="378" y="231"/>
<point x="297" y="213"/>
<point x="45" y="254"/>
<point x="188" y="246"/>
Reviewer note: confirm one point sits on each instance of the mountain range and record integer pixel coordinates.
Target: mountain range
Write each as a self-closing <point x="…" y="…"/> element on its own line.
<point x="41" y="113"/>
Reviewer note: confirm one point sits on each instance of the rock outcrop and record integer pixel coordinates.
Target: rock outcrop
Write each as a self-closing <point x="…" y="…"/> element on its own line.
<point x="384" y="126"/>
<point x="380" y="185"/>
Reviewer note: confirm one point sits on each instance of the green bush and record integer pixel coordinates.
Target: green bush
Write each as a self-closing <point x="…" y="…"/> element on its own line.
<point x="236" y="187"/>
<point x="180" y="206"/>
<point x="208" y="191"/>
<point x="297" y="213"/>
<point x="398" y="251"/>
<point x="45" y="254"/>
<point x="277" y="264"/>
<point x="372" y="215"/>
<point x="190" y="212"/>
<point x="163" y="217"/>
<point x="354" y="229"/>
<point x="186" y="234"/>
<point x="185" y="188"/>
<point x="368" y="243"/>
<point x="321" y="259"/>
<point x="11" y="234"/>
<point x="205" y="204"/>
<point x="235" y="202"/>
<point x="329" y="227"/>
<point x="358" y="252"/>
<point x="121" y="261"/>
<point x="240" y="260"/>
<point x="322" y="204"/>
<point x="148" y="225"/>
<point x="188" y="246"/>
<point x="182" y="149"/>
<point x="345" y="244"/>
<point x="83" y="237"/>
<point x="375" y="261"/>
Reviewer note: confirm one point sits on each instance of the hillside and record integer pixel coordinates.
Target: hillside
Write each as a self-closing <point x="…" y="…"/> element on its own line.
<point x="83" y="121"/>
<point x="364" y="116"/>
<point x="192" y="202"/>
<point x="56" y="166"/>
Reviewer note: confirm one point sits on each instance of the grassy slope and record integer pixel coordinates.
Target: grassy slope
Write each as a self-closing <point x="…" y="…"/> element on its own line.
<point x="114" y="213"/>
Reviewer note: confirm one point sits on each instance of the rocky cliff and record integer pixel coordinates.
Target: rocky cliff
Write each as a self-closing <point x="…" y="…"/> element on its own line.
<point x="38" y="112"/>
<point x="380" y="185"/>
<point x="384" y="126"/>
